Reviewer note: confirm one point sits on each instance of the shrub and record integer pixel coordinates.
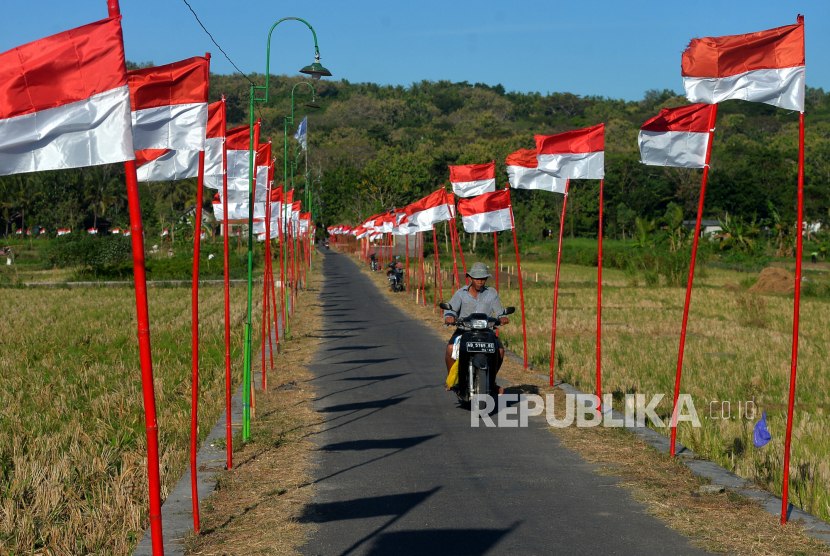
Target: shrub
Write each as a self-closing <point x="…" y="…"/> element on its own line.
<point x="88" y="252"/>
<point x="675" y="267"/>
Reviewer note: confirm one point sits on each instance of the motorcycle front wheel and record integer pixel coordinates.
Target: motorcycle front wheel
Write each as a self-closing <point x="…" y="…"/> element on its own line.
<point x="480" y="382"/>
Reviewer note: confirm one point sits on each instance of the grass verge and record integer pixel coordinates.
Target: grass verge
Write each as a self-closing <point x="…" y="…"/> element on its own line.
<point x="255" y="505"/>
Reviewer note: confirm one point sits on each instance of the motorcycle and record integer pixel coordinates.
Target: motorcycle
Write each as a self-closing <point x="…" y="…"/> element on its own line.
<point x="395" y="277"/>
<point x="478" y="356"/>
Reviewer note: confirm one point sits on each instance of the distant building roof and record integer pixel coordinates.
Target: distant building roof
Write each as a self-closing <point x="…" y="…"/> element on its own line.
<point x="703" y="223"/>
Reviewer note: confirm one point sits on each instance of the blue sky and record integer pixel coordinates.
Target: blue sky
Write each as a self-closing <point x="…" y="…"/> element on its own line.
<point x="609" y="48"/>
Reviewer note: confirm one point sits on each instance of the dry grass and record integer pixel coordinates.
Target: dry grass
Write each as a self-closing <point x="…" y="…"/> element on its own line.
<point x="73" y="476"/>
<point x="724" y="524"/>
<point x="738" y="349"/>
<point x="255" y="506"/>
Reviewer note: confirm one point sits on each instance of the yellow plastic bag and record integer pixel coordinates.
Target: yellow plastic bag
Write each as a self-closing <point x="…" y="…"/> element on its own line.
<point x="452" y="378"/>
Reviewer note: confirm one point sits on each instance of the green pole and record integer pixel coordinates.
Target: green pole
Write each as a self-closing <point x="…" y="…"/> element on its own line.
<point x="284" y="245"/>
<point x="289" y="120"/>
<point x="246" y="369"/>
<point x="315" y="70"/>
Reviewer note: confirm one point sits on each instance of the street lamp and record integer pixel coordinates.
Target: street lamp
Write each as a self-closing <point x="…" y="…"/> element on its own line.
<point x="316" y="70"/>
<point x="286" y="121"/>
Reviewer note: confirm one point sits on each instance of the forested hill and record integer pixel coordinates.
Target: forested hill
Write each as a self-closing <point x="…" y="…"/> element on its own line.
<point x="374" y="147"/>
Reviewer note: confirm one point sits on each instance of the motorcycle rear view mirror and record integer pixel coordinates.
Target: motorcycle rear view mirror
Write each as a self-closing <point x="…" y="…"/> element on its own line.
<point x="445" y="306"/>
<point x="509" y="310"/>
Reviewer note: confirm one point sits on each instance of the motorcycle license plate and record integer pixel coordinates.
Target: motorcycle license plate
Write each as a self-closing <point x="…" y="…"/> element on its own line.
<point x="481" y="347"/>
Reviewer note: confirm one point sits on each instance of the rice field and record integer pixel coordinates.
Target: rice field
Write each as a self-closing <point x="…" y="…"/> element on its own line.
<point x="738" y="350"/>
<point x="73" y="476"/>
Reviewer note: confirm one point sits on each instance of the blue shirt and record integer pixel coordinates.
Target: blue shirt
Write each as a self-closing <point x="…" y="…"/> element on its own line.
<point x="464" y="304"/>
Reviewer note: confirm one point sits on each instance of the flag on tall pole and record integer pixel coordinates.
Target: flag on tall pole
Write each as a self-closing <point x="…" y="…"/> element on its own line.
<point x="470" y="180"/>
<point x="523" y="173"/>
<point x="767" y="66"/>
<point x="214" y="145"/>
<point x="169" y="115"/>
<point x="578" y="154"/>
<point x="677" y="137"/>
<point x="486" y="213"/>
<point x="64" y="101"/>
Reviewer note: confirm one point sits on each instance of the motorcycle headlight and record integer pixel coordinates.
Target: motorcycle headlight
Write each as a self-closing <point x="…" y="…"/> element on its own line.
<point x="479" y="324"/>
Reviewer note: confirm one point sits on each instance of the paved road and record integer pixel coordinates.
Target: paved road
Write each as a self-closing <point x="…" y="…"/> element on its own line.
<point x="400" y="470"/>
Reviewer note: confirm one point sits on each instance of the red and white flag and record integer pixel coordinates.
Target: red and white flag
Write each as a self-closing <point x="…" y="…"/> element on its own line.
<point x="677" y="137"/>
<point x="767" y="67"/>
<point x="214" y="140"/>
<point x="576" y="155"/>
<point x="169" y="115"/>
<point x="64" y="101"/>
<point x="238" y="146"/>
<point x="263" y="165"/>
<point x="523" y="173"/>
<point x="490" y="212"/>
<point x="115" y="231"/>
<point x="92" y="231"/>
<point x="473" y="179"/>
<point x="432" y="209"/>
<point x="64" y="231"/>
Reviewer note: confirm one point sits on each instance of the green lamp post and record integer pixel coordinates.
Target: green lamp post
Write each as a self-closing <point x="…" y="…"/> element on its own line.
<point x="316" y="71"/>
<point x="290" y="120"/>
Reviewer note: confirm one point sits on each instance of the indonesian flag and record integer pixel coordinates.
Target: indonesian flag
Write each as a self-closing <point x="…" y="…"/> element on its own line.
<point x="433" y="208"/>
<point x="169" y="115"/>
<point x="115" y="231"/>
<point x="64" y="101"/>
<point x="238" y="146"/>
<point x="676" y="137"/>
<point x="767" y="67"/>
<point x="473" y="179"/>
<point x="523" y="173"/>
<point x="214" y="140"/>
<point x="165" y="232"/>
<point x="576" y="155"/>
<point x="127" y="233"/>
<point x="28" y="231"/>
<point x="64" y="231"/>
<point x="263" y="165"/>
<point x="42" y="231"/>
<point x="490" y="212"/>
<point x="92" y="231"/>
<point x="237" y="209"/>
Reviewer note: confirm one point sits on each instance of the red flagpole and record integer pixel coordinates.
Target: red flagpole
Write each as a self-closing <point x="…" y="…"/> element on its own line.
<point x="226" y="233"/>
<point x="599" y="305"/>
<point x="496" y="249"/>
<point x="556" y="282"/>
<point x="461" y="253"/>
<point x="194" y="398"/>
<point x="451" y="224"/>
<point x="440" y="286"/>
<point x="712" y="118"/>
<point x="145" y="354"/>
<point x="407" y="263"/>
<point x="796" y="305"/>
<point x="521" y="288"/>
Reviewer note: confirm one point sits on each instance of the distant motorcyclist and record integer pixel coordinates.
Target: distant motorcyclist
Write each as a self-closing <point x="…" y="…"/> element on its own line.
<point x="475" y="298"/>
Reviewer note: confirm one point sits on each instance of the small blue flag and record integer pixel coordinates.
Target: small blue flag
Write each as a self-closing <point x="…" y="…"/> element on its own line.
<point x="302" y="133"/>
<point x="762" y="436"/>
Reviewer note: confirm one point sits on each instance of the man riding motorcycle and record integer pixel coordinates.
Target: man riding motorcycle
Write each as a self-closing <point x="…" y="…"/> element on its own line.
<point x="475" y="298"/>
